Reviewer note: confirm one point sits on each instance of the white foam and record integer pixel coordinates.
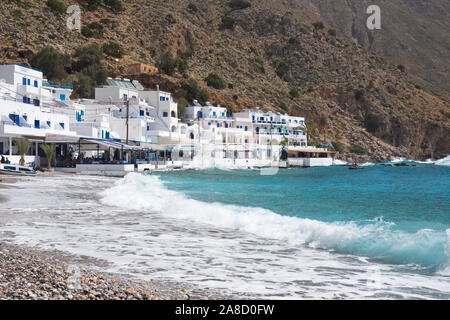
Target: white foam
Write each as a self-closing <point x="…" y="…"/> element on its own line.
<point x="443" y="162"/>
<point x="148" y="193"/>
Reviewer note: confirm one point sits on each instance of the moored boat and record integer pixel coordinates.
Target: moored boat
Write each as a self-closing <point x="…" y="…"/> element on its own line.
<point x="12" y="169"/>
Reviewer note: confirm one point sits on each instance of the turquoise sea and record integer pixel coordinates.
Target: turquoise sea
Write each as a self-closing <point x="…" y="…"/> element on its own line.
<point x="402" y="213"/>
<point x="334" y="233"/>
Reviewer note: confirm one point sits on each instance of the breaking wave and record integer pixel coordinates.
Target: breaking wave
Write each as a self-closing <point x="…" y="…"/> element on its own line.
<point x="374" y="239"/>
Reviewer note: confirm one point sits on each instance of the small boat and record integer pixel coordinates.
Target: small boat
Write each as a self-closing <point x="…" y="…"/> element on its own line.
<point x="12" y="169"/>
<point x="355" y="166"/>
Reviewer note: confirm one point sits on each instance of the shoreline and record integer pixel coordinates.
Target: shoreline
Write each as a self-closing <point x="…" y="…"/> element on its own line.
<point x="28" y="273"/>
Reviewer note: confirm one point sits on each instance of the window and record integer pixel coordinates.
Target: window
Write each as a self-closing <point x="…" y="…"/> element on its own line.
<point x="36" y="83"/>
<point x="173" y="115"/>
<point x="165" y="114"/>
<point x="37" y="124"/>
<point x="62" y="97"/>
<point x="24" y="81"/>
<point x="218" y="125"/>
<point x="28" y="81"/>
<point x="25" y="117"/>
<point x="214" y="113"/>
<point x="148" y="128"/>
<point x="24" y="99"/>
<point x="49" y="124"/>
<point x="125" y="97"/>
<point x="37" y="103"/>
<point x="62" y="125"/>
<point x="28" y="100"/>
<point x="246" y="128"/>
<point x="141" y="113"/>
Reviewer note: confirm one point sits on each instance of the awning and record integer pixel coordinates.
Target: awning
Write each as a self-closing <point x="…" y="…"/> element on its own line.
<point x="111" y="144"/>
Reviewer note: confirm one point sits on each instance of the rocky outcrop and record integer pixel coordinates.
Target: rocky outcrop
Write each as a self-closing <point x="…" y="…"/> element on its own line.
<point x="346" y="84"/>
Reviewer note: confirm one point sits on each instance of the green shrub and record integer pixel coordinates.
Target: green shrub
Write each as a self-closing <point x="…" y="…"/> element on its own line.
<point x="401" y="67"/>
<point x="283" y="106"/>
<point x="115" y="5"/>
<point x="293" y="41"/>
<point x="332" y="32"/>
<point x="192" y="7"/>
<point x="87" y="60"/>
<point x="182" y="104"/>
<point x="318" y="25"/>
<point x="92" y="4"/>
<point x="215" y="81"/>
<point x="51" y="62"/>
<point x="359" y="94"/>
<point x="113" y="49"/>
<point x="294" y="93"/>
<point x="56" y="6"/>
<point x="181" y="65"/>
<point x="239" y="4"/>
<point x="281" y="69"/>
<point x="227" y="23"/>
<point x="338" y="146"/>
<point x="84" y="87"/>
<point x="373" y="122"/>
<point x="17" y="13"/>
<point x="358" y="149"/>
<point x="195" y="92"/>
<point x="171" y="19"/>
<point x="167" y="63"/>
<point x="94" y="29"/>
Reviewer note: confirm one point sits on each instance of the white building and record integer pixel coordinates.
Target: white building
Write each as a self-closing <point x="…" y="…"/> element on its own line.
<point x="30" y="108"/>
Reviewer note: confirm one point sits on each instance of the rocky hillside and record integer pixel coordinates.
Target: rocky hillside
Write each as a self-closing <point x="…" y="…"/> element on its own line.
<point x="289" y="56"/>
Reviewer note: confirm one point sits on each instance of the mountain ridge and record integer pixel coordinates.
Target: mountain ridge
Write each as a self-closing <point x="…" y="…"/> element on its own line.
<point x="352" y="95"/>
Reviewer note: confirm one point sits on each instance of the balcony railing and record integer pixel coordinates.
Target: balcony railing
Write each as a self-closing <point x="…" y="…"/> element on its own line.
<point x="61" y="85"/>
<point x="13" y="124"/>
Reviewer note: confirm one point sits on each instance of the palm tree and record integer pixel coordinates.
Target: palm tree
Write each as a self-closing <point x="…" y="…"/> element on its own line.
<point x="23" y="146"/>
<point x="49" y="149"/>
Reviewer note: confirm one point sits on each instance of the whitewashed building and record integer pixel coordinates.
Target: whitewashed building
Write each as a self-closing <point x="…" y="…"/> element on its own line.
<point x="30" y="107"/>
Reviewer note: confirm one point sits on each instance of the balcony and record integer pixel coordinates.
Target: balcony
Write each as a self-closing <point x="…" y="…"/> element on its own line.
<point x="60" y="85"/>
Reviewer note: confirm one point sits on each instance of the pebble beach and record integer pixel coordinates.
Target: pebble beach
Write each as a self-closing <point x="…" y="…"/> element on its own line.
<point x="28" y="273"/>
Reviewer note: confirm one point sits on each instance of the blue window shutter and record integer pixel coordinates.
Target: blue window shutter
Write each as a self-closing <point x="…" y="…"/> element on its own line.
<point x="24" y="99"/>
<point x="62" y="125"/>
<point x="49" y="124"/>
<point x="37" y="124"/>
<point x="24" y="81"/>
<point x="35" y="83"/>
<point x="141" y="112"/>
<point x="28" y="81"/>
<point x="62" y="97"/>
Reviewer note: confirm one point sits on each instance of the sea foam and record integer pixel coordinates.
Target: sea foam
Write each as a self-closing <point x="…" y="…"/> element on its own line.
<point x="374" y="239"/>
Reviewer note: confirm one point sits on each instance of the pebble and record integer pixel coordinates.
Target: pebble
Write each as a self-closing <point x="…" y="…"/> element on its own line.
<point x="27" y="273"/>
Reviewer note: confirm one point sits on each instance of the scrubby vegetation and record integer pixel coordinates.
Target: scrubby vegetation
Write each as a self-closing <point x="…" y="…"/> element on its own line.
<point x="113" y="49"/>
<point x="56" y="6"/>
<point x="195" y="92"/>
<point x="51" y="62"/>
<point x="215" y="81"/>
<point x="358" y="149"/>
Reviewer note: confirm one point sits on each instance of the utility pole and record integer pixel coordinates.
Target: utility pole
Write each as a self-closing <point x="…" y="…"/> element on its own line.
<point x="128" y="116"/>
